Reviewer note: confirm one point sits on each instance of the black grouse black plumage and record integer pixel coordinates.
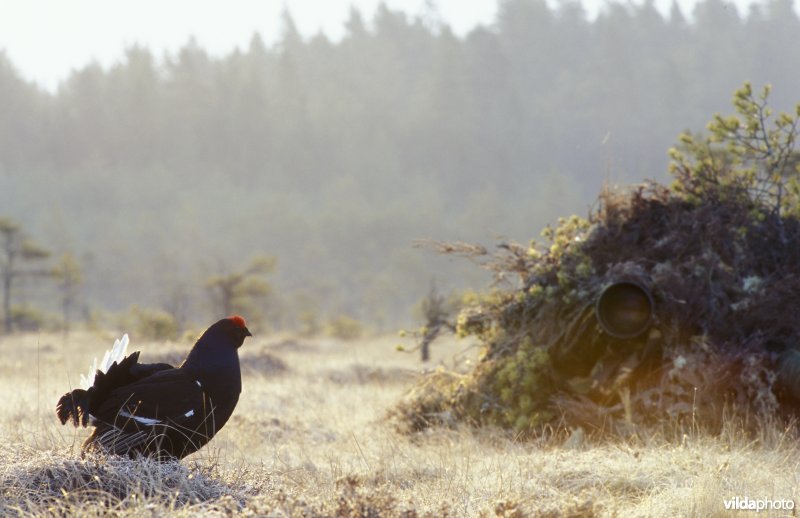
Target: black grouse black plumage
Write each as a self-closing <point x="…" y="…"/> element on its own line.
<point x="159" y="410"/>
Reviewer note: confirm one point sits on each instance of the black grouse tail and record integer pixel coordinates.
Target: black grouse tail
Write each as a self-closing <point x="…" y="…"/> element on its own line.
<point x="74" y="405"/>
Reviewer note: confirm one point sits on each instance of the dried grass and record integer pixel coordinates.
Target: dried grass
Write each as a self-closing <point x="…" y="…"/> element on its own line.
<point x="301" y="444"/>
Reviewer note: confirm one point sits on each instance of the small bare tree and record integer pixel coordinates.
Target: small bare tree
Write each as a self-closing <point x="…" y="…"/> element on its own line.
<point x="437" y="312"/>
<point x="69" y="277"/>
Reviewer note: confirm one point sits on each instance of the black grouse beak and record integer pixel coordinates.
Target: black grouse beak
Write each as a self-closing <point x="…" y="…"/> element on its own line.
<point x="247" y="332"/>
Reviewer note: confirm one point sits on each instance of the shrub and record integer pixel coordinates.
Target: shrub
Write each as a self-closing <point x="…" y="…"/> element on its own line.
<point x="719" y="252"/>
<point x="26" y="318"/>
<point x="153" y="324"/>
<point x="345" y="328"/>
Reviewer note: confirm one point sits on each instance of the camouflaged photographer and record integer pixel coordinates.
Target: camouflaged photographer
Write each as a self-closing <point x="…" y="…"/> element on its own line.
<point x="670" y="306"/>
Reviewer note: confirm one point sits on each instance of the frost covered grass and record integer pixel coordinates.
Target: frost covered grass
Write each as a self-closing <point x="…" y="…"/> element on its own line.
<point x="310" y="437"/>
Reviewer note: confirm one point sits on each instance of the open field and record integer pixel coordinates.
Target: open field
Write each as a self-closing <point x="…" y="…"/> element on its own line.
<point x="310" y="436"/>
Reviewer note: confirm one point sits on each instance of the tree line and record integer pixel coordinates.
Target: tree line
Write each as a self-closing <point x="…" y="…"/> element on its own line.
<point x="161" y="172"/>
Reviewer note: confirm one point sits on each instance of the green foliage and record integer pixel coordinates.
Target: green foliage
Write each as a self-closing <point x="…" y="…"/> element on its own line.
<point x="524" y="384"/>
<point x="564" y="238"/>
<point x="513" y="384"/>
<point x="471" y="320"/>
<point x="747" y="157"/>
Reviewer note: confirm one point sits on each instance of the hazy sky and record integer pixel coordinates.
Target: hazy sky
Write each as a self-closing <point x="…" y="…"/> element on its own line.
<point x="46" y="39"/>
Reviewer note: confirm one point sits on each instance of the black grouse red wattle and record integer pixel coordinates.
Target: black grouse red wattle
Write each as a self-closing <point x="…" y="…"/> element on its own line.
<point x="159" y="410"/>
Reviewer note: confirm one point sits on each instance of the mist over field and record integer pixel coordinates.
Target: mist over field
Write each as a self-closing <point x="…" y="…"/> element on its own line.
<point x="641" y="361"/>
<point x="163" y="171"/>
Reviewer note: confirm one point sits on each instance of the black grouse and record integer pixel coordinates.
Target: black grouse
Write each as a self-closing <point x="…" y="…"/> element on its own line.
<point x="157" y="409"/>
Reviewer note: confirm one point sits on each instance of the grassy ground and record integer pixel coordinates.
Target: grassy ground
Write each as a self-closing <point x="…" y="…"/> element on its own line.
<point x="310" y="436"/>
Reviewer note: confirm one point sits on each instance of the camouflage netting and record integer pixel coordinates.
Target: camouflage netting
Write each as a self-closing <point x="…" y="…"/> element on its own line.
<point x="717" y="254"/>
